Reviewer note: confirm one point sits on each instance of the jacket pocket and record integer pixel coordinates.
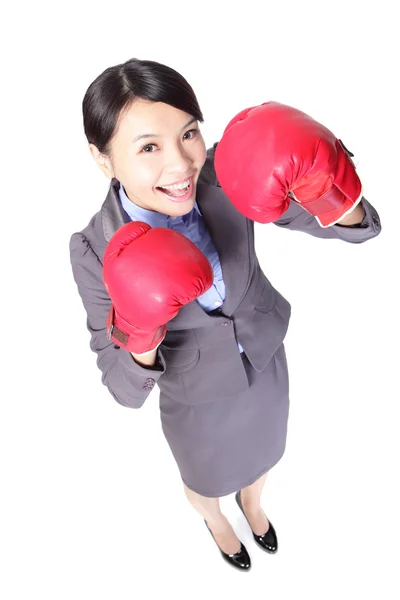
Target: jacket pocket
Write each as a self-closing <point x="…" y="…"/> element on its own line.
<point x="263" y="296"/>
<point x="204" y="375"/>
<point x="265" y="328"/>
<point x="177" y="362"/>
<point x="181" y="359"/>
<point x="267" y="300"/>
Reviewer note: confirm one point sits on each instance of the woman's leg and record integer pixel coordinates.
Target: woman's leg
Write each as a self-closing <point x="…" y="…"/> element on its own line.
<point x="251" y="497"/>
<point x="219" y="525"/>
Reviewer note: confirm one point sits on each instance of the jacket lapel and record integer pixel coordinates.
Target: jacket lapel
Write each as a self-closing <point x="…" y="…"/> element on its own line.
<point x="230" y="232"/>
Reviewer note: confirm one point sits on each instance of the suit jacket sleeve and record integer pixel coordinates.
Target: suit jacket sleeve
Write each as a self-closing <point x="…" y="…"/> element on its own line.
<point x="297" y="219"/>
<point x="128" y="382"/>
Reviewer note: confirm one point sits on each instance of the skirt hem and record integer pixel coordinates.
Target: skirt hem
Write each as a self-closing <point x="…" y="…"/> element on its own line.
<point x="237" y="487"/>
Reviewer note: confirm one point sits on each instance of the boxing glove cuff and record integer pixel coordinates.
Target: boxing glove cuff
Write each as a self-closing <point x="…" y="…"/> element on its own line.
<point x="132" y="338"/>
<point x="342" y="197"/>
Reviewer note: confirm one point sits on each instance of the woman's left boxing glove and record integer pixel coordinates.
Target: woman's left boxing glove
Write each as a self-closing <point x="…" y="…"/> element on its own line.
<point x="271" y="153"/>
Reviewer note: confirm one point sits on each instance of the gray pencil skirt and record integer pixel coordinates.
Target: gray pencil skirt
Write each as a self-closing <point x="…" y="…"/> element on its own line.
<point x="225" y="445"/>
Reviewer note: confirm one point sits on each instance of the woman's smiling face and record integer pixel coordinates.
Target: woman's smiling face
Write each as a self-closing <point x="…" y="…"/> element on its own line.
<point x="155" y="145"/>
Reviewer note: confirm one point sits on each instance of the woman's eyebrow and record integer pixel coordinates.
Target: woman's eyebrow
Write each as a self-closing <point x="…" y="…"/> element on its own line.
<point x="154" y="135"/>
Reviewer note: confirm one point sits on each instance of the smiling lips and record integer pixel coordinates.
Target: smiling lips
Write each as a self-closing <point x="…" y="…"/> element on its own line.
<point x="173" y="194"/>
<point x="178" y="189"/>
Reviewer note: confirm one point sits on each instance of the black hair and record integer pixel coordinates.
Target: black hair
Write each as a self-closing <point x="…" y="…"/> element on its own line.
<point x="118" y="87"/>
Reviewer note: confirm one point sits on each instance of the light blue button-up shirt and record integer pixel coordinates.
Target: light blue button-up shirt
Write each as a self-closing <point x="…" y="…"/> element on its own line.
<point x="193" y="227"/>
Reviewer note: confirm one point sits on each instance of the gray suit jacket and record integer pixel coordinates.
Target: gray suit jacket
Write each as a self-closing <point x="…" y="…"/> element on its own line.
<point x="199" y="355"/>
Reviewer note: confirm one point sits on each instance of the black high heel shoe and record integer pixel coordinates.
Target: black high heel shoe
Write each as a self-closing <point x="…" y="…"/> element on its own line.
<point x="240" y="560"/>
<point x="267" y="541"/>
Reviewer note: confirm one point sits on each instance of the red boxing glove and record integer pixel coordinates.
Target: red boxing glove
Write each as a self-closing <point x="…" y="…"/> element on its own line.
<point x="273" y="152"/>
<point x="149" y="274"/>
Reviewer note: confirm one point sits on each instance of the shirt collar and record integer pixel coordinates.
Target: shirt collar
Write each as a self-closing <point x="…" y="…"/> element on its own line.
<point x="138" y="213"/>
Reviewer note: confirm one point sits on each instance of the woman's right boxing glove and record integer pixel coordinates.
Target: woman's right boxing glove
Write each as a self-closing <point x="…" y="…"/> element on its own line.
<point x="149" y="274"/>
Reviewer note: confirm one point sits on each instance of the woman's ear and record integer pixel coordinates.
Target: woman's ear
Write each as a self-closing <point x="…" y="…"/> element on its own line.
<point x="102" y="161"/>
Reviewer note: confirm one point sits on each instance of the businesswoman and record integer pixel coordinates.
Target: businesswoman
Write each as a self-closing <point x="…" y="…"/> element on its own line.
<point x="174" y="294"/>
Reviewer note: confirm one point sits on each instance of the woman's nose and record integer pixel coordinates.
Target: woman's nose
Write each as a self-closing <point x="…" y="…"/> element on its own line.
<point x="177" y="161"/>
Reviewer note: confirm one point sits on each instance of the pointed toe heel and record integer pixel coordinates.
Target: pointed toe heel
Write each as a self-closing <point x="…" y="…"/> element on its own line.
<point x="268" y="541"/>
<point x="240" y="560"/>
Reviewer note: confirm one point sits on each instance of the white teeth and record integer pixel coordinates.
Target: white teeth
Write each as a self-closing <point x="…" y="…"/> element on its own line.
<point x="176" y="186"/>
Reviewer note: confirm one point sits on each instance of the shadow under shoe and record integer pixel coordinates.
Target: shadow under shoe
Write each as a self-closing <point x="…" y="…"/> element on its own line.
<point x="239" y="560"/>
<point x="267" y="541"/>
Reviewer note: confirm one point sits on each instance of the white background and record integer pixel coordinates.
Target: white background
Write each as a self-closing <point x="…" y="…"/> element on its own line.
<point x="92" y="505"/>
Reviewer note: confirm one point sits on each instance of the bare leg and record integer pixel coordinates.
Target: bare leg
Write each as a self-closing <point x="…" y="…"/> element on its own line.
<point x="251" y="497"/>
<point x="219" y="525"/>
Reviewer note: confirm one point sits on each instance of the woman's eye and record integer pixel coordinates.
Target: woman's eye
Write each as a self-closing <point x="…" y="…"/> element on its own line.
<point x="194" y="131"/>
<point x="148" y="146"/>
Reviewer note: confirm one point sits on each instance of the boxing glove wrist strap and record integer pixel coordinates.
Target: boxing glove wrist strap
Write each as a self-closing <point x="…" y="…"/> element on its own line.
<point x="130" y="337"/>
